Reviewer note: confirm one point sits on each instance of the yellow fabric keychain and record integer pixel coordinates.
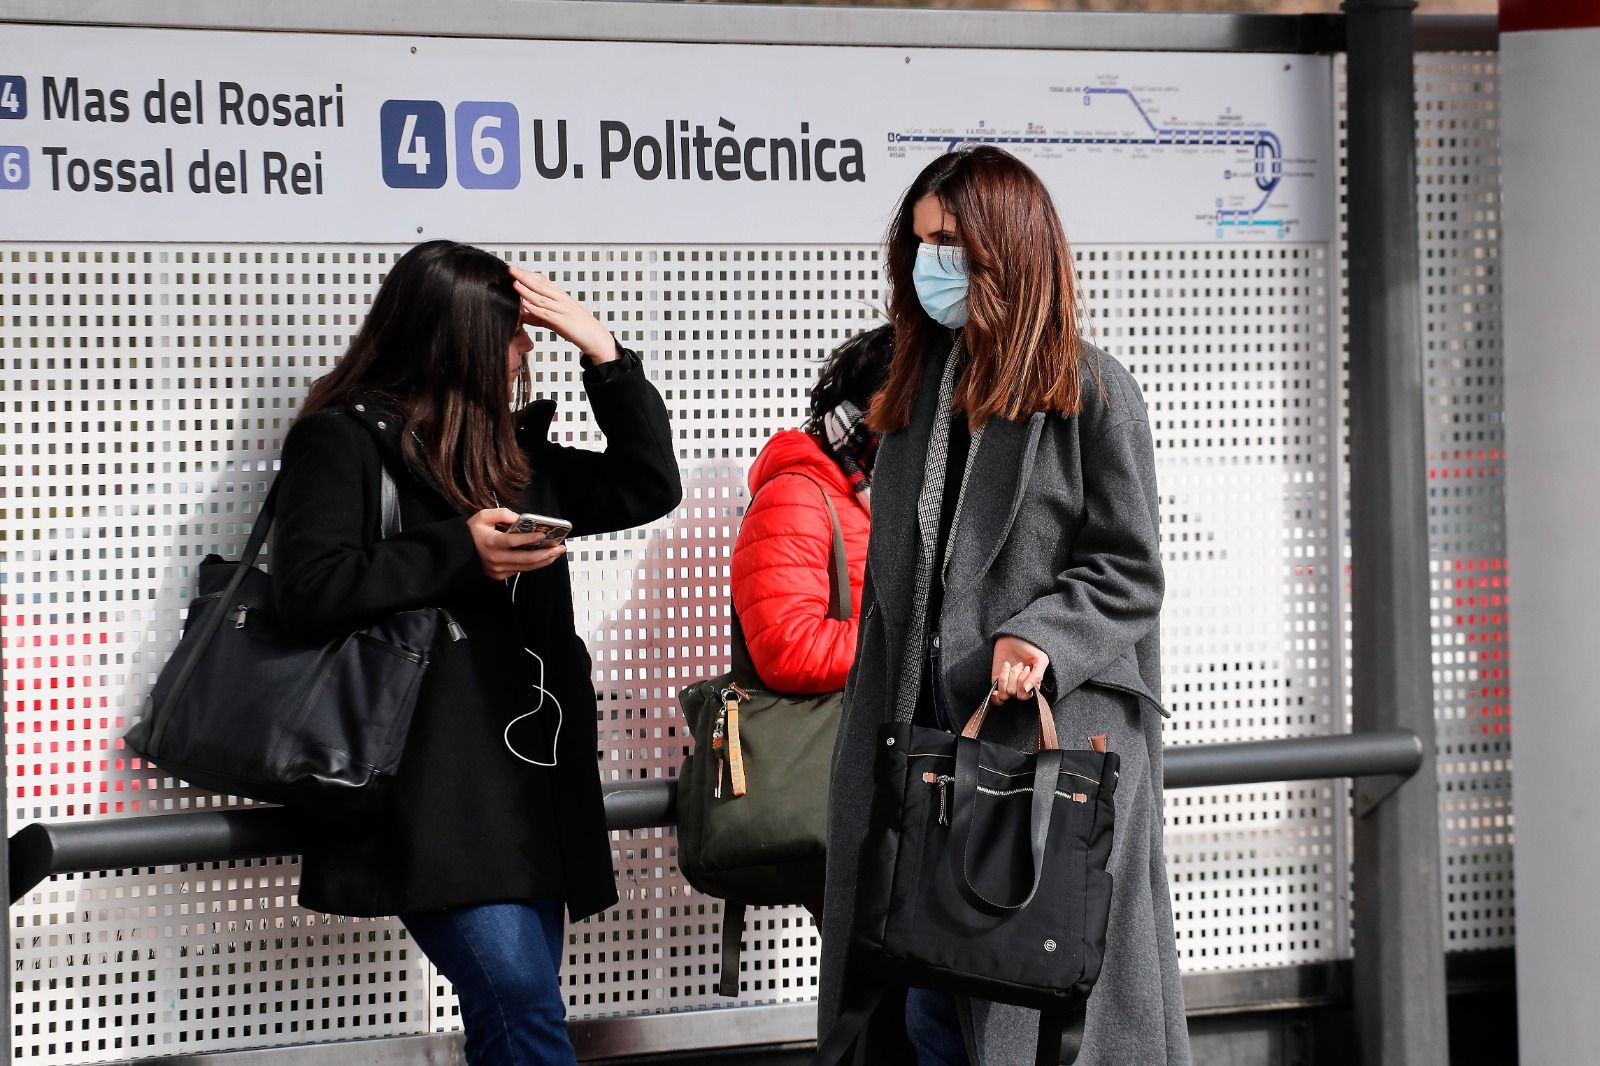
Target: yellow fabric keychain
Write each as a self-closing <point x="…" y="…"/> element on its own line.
<point x="735" y="752"/>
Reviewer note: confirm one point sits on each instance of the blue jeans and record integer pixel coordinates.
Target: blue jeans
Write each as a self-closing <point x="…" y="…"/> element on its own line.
<point x="934" y="1028"/>
<point x="504" y="960"/>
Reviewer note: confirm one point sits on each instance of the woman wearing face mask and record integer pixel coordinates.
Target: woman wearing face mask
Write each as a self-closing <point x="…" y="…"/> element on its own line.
<point x="1014" y="543"/>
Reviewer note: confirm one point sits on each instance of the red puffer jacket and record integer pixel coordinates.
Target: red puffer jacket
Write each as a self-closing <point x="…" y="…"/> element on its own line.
<point x="780" y="567"/>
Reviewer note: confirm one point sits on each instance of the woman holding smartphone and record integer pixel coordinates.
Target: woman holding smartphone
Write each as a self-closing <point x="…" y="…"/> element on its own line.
<point x="496" y="826"/>
<point x="1014" y="544"/>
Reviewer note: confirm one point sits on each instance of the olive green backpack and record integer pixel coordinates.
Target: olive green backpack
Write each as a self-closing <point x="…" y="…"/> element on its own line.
<point x="753" y="794"/>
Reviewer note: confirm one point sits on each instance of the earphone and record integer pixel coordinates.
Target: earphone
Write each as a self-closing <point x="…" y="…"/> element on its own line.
<point x="544" y="694"/>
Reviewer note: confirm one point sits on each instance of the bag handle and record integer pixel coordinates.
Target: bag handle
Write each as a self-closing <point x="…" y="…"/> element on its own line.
<point x="1044" y="735"/>
<point x="1046" y="775"/>
<point x="247" y="558"/>
<point x="840" y="605"/>
<point x="389" y="504"/>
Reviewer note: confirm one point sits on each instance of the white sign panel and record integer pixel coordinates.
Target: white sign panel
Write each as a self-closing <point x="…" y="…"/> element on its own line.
<point x="121" y="134"/>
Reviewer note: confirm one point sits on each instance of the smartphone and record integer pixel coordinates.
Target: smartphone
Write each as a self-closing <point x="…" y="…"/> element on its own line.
<point x="555" y="530"/>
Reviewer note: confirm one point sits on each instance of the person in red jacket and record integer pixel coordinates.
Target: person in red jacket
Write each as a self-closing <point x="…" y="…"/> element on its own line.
<point x="780" y="560"/>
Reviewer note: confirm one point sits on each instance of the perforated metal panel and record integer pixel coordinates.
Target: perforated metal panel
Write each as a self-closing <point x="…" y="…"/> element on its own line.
<point x="148" y="390"/>
<point x="1231" y="345"/>
<point x="143" y="399"/>
<point x="147" y="393"/>
<point x="1458" y="179"/>
<point x="734" y="337"/>
<point x="1458" y="195"/>
<point x="144" y="394"/>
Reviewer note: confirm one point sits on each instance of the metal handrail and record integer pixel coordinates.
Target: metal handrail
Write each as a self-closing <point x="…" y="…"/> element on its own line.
<point x="43" y="849"/>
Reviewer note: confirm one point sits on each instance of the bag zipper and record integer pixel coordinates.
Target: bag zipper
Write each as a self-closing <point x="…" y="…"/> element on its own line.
<point x="1075" y="797"/>
<point x="944" y="781"/>
<point x="991" y="770"/>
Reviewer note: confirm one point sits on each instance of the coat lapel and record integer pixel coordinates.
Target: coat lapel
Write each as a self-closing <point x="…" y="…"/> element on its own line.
<point x="995" y="490"/>
<point x="896" y="483"/>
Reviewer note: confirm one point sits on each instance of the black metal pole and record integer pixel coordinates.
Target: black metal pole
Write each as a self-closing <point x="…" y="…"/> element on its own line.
<point x="1398" y="969"/>
<point x="1393" y="752"/>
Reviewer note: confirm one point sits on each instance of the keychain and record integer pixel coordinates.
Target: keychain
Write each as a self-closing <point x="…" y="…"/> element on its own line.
<point x="719" y="741"/>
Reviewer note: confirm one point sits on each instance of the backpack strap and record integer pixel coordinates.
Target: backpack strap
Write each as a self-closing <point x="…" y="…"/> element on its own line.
<point x="1060" y="1036"/>
<point x="840" y="605"/>
<point x="732" y="946"/>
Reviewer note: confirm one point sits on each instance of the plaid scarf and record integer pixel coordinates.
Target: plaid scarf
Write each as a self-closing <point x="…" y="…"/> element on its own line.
<point x="852" y="444"/>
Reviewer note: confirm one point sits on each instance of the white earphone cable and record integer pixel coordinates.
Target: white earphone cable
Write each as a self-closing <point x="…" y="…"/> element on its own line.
<point x="544" y="694"/>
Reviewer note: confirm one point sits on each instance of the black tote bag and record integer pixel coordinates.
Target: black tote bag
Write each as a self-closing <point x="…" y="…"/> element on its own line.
<point x="984" y="873"/>
<point x="246" y="708"/>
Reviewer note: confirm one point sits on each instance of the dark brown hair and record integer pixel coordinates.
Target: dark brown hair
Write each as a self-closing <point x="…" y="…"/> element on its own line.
<point x="1022" y="297"/>
<point x="434" y="345"/>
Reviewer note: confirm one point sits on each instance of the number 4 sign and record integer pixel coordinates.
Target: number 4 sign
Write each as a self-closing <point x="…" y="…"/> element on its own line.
<point x="415" y="153"/>
<point x="13" y="96"/>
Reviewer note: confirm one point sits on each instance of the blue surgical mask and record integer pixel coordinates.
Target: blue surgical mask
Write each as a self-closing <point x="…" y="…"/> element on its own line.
<point x="940" y="277"/>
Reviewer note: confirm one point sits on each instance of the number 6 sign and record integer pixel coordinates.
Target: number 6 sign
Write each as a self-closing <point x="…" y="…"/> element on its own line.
<point x="488" y="146"/>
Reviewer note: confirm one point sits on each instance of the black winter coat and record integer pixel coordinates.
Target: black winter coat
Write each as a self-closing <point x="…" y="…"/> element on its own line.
<point x="470" y="822"/>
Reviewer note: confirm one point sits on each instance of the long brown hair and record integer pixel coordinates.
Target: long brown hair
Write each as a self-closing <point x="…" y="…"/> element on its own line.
<point x="1022" y="295"/>
<point x="434" y="345"/>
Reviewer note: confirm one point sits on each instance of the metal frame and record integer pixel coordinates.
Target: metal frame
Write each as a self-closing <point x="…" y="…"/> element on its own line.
<point x="630" y="20"/>
<point x="1397" y="914"/>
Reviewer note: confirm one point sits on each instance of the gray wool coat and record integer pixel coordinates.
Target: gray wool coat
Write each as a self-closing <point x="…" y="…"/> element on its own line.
<point x="1057" y="544"/>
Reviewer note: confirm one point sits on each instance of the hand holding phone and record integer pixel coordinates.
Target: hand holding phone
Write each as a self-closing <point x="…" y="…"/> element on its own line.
<point x="554" y="530"/>
<point x="503" y="556"/>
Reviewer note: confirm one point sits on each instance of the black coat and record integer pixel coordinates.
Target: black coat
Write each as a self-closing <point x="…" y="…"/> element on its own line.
<point x="470" y="822"/>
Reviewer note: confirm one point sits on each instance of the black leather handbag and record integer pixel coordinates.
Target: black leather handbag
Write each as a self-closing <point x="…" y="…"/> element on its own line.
<point x="984" y="873"/>
<point x="246" y="708"/>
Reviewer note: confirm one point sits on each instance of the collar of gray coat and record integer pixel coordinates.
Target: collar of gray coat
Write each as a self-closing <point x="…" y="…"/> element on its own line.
<point x="1001" y="467"/>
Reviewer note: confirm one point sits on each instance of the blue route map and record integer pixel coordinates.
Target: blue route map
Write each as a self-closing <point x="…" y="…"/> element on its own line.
<point x="1106" y="125"/>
